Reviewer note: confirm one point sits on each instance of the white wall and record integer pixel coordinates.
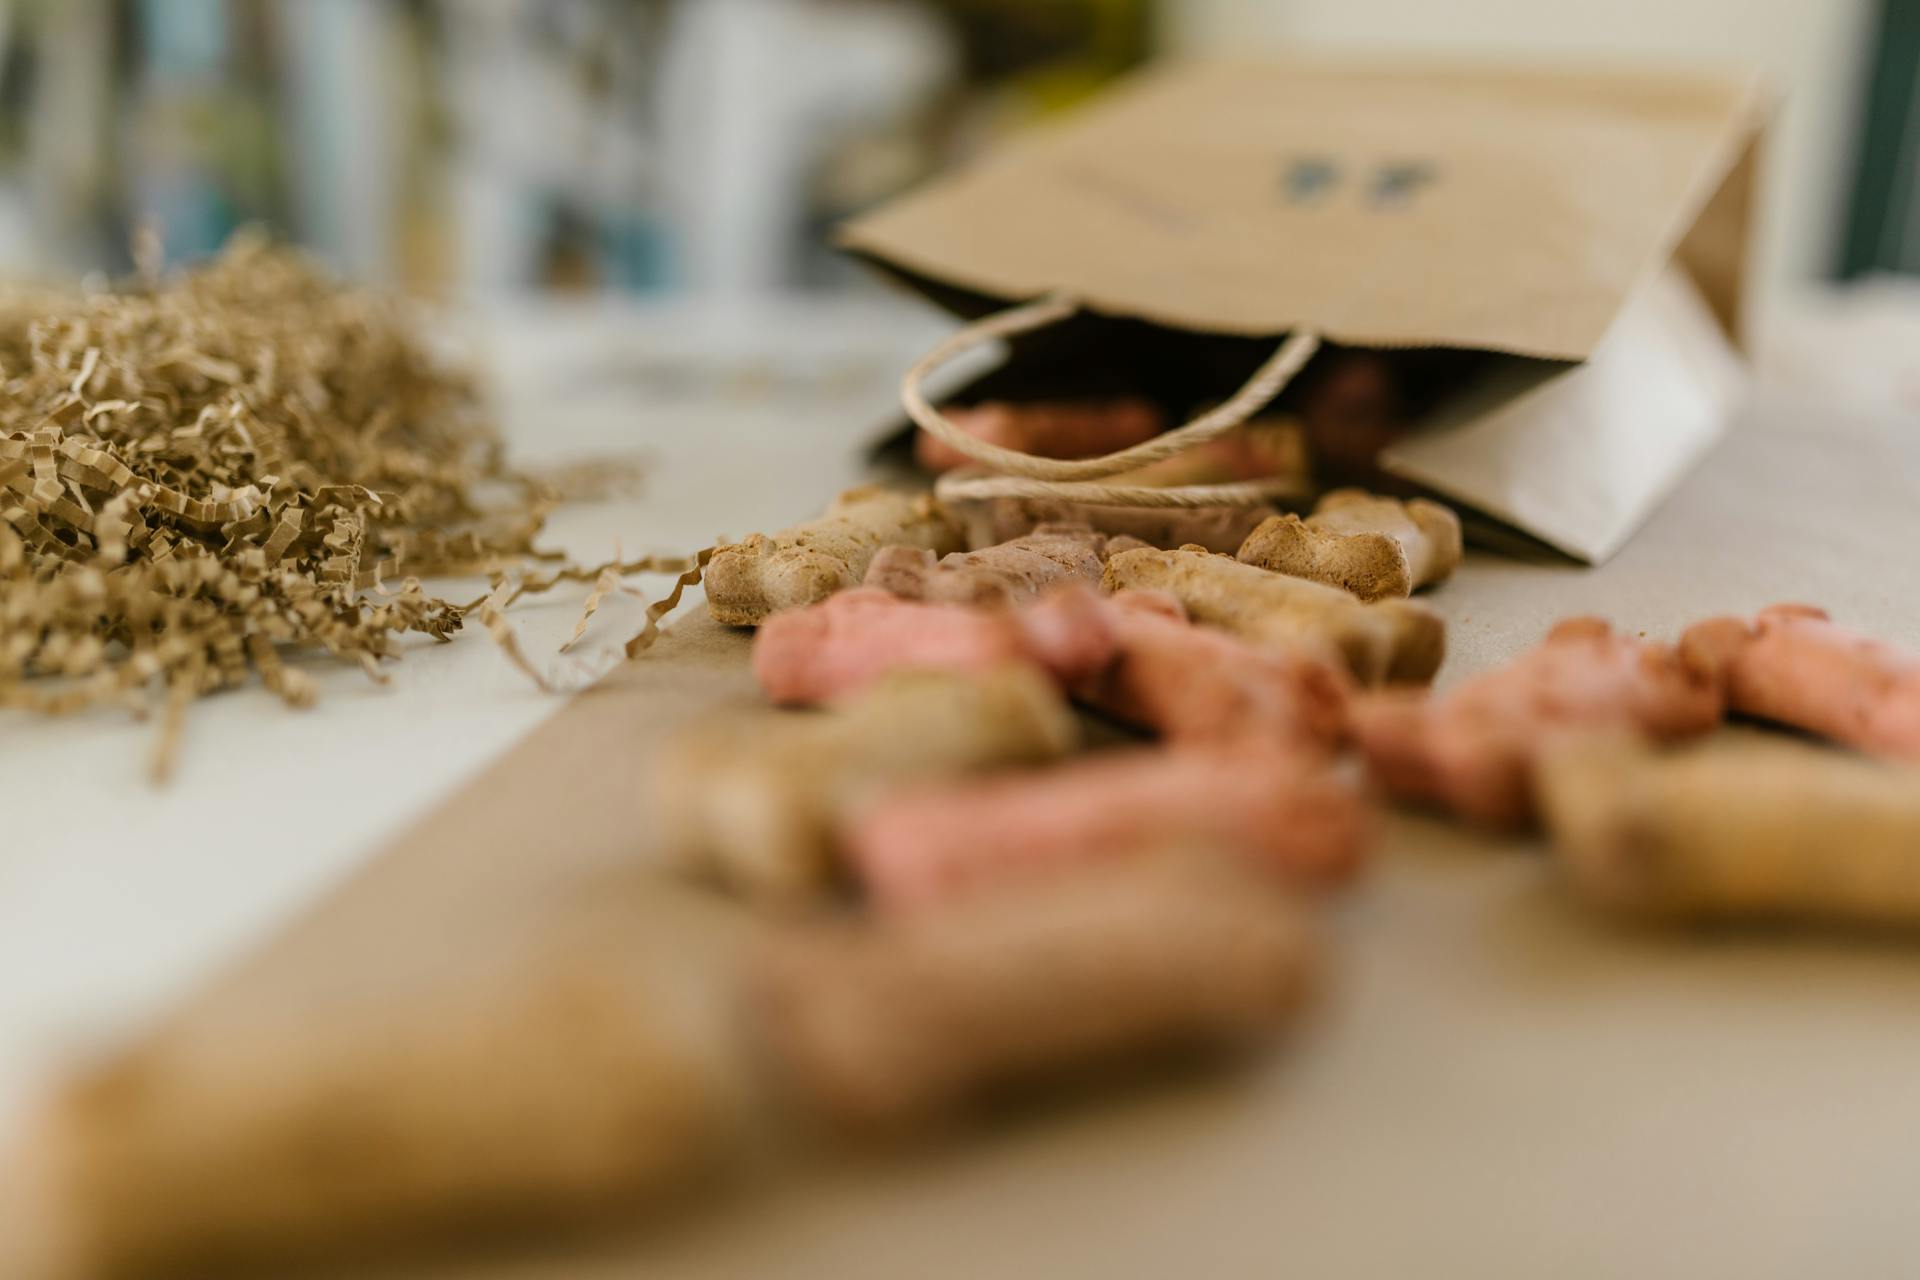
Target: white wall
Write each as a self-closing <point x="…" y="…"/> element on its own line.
<point x="1811" y="50"/>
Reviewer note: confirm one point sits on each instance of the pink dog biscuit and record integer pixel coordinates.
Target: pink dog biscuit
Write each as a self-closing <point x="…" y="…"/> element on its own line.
<point x="1046" y="429"/>
<point x="1282" y="809"/>
<point x="1793" y="665"/>
<point x="881" y="1024"/>
<point x="851" y="639"/>
<point x="1472" y="751"/>
<point x="1197" y="684"/>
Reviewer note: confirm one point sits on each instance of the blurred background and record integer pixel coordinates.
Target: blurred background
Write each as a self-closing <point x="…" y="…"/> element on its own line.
<point x="656" y="147"/>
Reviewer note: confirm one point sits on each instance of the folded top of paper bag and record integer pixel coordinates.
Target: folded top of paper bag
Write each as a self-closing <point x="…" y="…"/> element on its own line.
<point x="1382" y="206"/>
<point x="1594" y="226"/>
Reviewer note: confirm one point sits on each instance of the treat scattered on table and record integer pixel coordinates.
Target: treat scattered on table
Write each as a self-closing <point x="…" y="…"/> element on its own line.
<point x="1471" y="750"/>
<point x="1794" y="665"/>
<point x="1375" y="547"/>
<point x="1191" y="683"/>
<point x="1390" y="641"/>
<point x="992" y="521"/>
<point x="1004" y="573"/>
<point x="898" y="1021"/>
<point x="758" y="801"/>
<point x="844" y="643"/>
<point x="562" y="1082"/>
<point x="749" y="580"/>
<point x="1288" y="811"/>
<point x="1752" y="831"/>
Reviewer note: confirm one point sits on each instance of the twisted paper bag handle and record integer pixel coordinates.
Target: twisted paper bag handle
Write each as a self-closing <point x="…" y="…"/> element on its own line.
<point x="1078" y="479"/>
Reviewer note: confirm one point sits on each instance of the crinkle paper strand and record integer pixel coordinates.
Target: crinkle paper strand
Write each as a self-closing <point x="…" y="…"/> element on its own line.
<point x="204" y="472"/>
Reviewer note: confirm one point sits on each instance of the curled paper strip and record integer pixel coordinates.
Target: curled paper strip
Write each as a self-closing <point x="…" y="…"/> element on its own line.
<point x="578" y="674"/>
<point x="667" y="604"/>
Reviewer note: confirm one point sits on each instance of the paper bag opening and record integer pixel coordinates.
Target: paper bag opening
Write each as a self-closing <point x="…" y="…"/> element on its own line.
<point x="1530" y="231"/>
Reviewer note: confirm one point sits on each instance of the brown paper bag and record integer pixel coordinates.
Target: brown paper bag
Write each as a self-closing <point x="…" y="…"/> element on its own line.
<point x="1594" y="228"/>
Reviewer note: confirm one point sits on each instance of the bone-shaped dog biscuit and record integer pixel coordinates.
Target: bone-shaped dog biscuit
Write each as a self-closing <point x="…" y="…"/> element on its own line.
<point x="897" y="1021"/>
<point x="759" y="801"/>
<point x="1792" y="664"/>
<point x="1394" y="641"/>
<point x="748" y="580"/>
<point x="993" y="520"/>
<point x="1285" y="810"/>
<point x="844" y="643"/>
<point x="1741" y="830"/>
<point x="1375" y="547"/>
<point x="1191" y="683"/>
<point x="1005" y="573"/>
<point x="1471" y="751"/>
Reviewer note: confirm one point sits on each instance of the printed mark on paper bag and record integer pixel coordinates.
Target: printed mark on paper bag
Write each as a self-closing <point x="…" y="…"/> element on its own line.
<point x="1393" y="184"/>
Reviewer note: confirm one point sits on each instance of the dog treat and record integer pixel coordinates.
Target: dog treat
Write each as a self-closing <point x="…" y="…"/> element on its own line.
<point x="846" y="642"/>
<point x="1197" y="684"/>
<point x="1375" y="547"/>
<point x="1736" y="830"/>
<point x="1472" y="750"/>
<point x="758" y="801"/>
<point x="1286" y="810"/>
<point x="1045" y="429"/>
<point x="1006" y="573"/>
<point x="1791" y="664"/>
<point x="573" y="1084"/>
<point x="898" y="1021"/>
<point x="1263" y="449"/>
<point x="994" y="520"/>
<point x="748" y="580"/>
<point x="1395" y="641"/>
<point x="1354" y="404"/>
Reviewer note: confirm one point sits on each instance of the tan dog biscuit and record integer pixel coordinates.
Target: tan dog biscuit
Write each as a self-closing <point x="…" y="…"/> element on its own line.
<point x="805" y="564"/>
<point x="1375" y="547"/>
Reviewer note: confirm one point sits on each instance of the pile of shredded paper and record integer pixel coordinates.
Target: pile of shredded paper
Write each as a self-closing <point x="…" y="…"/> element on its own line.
<point x="204" y="473"/>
